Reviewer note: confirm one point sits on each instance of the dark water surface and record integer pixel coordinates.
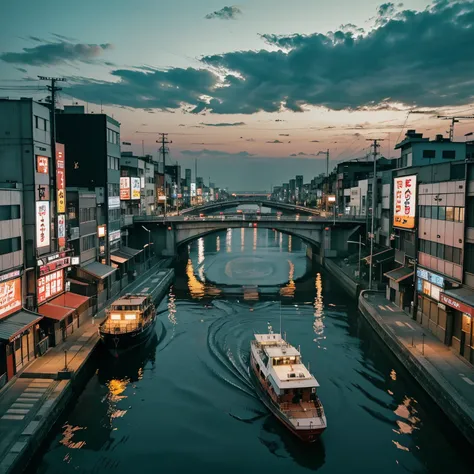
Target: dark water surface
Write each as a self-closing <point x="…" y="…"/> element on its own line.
<point x="185" y="404"/>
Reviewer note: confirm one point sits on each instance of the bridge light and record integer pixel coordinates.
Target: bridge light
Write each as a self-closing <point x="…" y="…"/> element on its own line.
<point x="169" y="227"/>
<point x="326" y="228"/>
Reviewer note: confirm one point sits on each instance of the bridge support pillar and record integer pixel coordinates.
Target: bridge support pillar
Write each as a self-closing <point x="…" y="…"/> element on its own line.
<point x="170" y="249"/>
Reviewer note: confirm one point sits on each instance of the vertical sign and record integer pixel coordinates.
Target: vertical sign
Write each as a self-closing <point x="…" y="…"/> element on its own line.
<point x="135" y="185"/>
<point x="60" y="179"/>
<point x="124" y="188"/>
<point x="62" y="231"/>
<point x="43" y="224"/>
<point x="10" y="297"/>
<point x="404" y="205"/>
<point x="42" y="164"/>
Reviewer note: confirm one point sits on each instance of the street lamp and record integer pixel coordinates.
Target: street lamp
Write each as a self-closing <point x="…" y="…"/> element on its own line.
<point x="360" y="248"/>
<point x="149" y="240"/>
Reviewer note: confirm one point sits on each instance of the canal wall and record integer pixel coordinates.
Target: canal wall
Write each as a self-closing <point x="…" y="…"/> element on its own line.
<point x="429" y="377"/>
<point x="65" y="383"/>
<point x="349" y="285"/>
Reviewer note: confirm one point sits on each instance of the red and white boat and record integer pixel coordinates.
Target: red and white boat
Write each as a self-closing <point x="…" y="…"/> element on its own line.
<point x="286" y="386"/>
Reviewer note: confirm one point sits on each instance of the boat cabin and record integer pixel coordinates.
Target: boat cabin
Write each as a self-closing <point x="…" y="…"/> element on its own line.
<point x="128" y="313"/>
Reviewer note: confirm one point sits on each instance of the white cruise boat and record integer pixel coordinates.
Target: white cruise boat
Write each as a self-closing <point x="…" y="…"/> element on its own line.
<point x="286" y="386"/>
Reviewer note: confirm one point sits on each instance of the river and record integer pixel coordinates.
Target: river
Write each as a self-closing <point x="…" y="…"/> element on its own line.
<point x="185" y="402"/>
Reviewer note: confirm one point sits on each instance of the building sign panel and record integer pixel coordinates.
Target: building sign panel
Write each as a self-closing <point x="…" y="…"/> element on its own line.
<point x="135" y="187"/>
<point x="113" y="236"/>
<point x="42" y="192"/>
<point x="60" y="179"/>
<point x="431" y="277"/>
<point x="114" y="202"/>
<point x="62" y="231"/>
<point x="10" y="275"/>
<point x="124" y="188"/>
<point x="43" y="224"/>
<point x="54" y="265"/>
<point x="404" y="205"/>
<point x="10" y="297"/>
<point x="42" y="164"/>
<point x="50" y="285"/>
<point x="101" y="230"/>
<point x="193" y="189"/>
<point x="456" y="304"/>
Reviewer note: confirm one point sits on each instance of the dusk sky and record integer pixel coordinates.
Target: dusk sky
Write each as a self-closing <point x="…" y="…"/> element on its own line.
<point x="253" y="89"/>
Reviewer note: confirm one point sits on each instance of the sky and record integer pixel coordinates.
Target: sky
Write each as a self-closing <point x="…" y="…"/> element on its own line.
<point x="253" y="90"/>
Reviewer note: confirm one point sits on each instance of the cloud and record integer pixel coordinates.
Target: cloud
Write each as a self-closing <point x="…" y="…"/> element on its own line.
<point x="274" y="141"/>
<point x="21" y="69"/>
<point x="402" y="60"/>
<point x="223" y="124"/>
<point x="226" y="13"/>
<point x="314" y="141"/>
<point x="299" y="154"/>
<point x="56" y="53"/>
<point x="62" y="37"/>
<point x="216" y="153"/>
<point x="283" y="134"/>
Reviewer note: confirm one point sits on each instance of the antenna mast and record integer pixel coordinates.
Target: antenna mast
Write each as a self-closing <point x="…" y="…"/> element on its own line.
<point x="454" y="120"/>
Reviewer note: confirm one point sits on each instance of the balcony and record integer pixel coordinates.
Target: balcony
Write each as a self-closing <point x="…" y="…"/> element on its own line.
<point x="126" y="220"/>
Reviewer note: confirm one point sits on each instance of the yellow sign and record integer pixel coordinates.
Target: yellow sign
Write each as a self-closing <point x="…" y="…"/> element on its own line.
<point x="61" y="201"/>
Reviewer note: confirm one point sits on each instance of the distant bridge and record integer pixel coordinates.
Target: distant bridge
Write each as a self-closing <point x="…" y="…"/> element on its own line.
<point x="238" y="201"/>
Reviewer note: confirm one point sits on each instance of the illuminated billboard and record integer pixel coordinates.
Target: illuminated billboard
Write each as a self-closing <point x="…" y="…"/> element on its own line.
<point x="42" y="163"/>
<point x="193" y="189"/>
<point x="43" y="224"/>
<point x="404" y="202"/>
<point x="124" y="188"/>
<point x="60" y="179"/>
<point x="62" y="231"/>
<point x="135" y="186"/>
<point x="10" y="297"/>
<point x="50" y="285"/>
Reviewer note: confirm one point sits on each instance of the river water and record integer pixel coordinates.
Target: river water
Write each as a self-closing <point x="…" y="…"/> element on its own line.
<point x="185" y="402"/>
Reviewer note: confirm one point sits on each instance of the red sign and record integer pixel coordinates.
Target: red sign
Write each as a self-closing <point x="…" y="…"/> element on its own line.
<point x="453" y="303"/>
<point x="54" y="265"/>
<point x="42" y="164"/>
<point x="60" y="179"/>
<point x="10" y="297"/>
<point x="50" y="285"/>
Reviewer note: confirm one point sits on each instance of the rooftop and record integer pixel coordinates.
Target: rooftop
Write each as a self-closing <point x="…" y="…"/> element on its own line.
<point x="282" y="350"/>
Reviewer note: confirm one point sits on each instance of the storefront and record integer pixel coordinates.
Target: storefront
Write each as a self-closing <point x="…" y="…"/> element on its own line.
<point x="19" y="334"/>
<point x="58" y="322"/>
<point x="101" y="276"/>
<point x="430" y="313"/>
<point x="78" y="303"/>
<point x="461" y="303"/>
<point x="400" y="287"/>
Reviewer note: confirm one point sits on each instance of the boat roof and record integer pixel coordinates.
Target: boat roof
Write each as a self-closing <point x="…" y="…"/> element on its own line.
<point x="268" y="338"/>
<point x="136" y="299"/>
<point x="293" y="376"/>
<point x="283" y="350"/>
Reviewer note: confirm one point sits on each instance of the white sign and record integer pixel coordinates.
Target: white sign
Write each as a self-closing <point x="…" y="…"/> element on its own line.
<point x="113" y="236"/>
<point x="114" y="202"/>
<point x="75" y="261"/>
<point x="10" y="275"/>
<point x="61" y="225"/>
<point x="43" y="224"/>
<point x="404" y="202"/>
<point x="193" y="189"/>
<point x="135" y="186"/>
<point x="142" y="182"/>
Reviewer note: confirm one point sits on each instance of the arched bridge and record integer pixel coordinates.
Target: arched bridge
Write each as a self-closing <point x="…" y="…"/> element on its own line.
<point x="229" y="203"/>
<point x="167" y="234"/>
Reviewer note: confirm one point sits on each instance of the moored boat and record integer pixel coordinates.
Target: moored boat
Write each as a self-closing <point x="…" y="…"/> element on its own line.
<point x="286" y="386"/>
<point x="130" y="321"/>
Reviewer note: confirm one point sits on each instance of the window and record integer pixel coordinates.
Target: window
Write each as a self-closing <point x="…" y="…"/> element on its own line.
<point x="441" y="213"/>
<point x="87" y="214"/>
<point x="429" y="154"/>
<point x="114" y="214"/>
<point x="113" y="163"/>
<point x="41" y="123"/>
<point x="440" y="252"/>
<point x="469" y="258"/>
<point x="113" y="136"/>
<point x="9" y="212"/>
<point x="88" y="243"/>
<point x="434" y="212"/>
<point x="457" y="256"/>
<point x="450" y="213"/>
<point x="71" y="212"/>
<point x="113" y="189"/>
<point x="448" y="253"/>
<point x="10" y="245"/>
<point x="449" y="154"/>
<point x="427" y="212"/>
<point x="461" y="214"/>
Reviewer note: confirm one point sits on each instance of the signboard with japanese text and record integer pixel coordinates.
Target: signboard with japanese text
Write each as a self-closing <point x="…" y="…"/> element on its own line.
<point x="124" y="188"/>
<point x="10" y="297"/>
<point x="42" y="192"/>
<point x="114" y="202"/>
<point x="62" y="231"/>
<point x="113" y="236"/>
<point x="456" y="304"/>
<point x="404" y="205"/>
<point x="42" y="164"/>
<point x="101" y="230"/>
<point x="193" y="189"/>
<point x="135" y="186"/>
<point x="43" y="224"/>
<point x="431" y="277"/>
<point x="54" y="265"/>
<point x="50" y="285"/>
<point x="60" y="179"/>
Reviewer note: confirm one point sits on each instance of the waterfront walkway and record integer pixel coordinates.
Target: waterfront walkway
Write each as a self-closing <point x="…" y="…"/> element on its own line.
<point x="31" y="402"/>
<point x="447" y="377"/>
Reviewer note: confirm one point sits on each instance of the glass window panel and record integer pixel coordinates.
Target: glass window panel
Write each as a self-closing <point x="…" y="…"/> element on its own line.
<point x="450" y="213"/>
<point x="434" y="212"/>
<point x="441" y="213"/>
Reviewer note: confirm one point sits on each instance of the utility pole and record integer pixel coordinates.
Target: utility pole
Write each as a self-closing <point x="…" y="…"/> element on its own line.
<point x="164" y="150"/>
<point x="53" y="89"/>
<point x="454" y="120"/>
<point x="375" y="152"/>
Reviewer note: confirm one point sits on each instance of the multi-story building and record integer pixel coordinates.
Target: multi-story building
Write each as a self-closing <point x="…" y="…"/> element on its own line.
<point x="292" y="191"/>
<point x="299" y="188"/>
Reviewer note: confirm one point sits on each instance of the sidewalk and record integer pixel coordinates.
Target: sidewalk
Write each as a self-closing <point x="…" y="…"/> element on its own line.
<point x="31" y="403"/>
<point x="447" y="378"/>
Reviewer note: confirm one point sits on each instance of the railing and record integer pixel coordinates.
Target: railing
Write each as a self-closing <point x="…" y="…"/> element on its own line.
<point x="43" y="346"/>
<point x="111" y="328"/>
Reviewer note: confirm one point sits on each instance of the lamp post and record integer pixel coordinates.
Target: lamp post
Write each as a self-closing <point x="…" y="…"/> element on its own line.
<point x="360" y="248"/>
<point x="149" y="240"/>
<point x="326" y="153"/>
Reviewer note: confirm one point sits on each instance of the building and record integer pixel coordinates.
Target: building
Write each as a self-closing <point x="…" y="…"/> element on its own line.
<point x="292" y="191"/>
<point x="299" y="188"/>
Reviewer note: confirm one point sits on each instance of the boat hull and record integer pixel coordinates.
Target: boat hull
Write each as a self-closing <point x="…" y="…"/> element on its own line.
<point x="123" y="342"/>
<point x="305" y="435"/>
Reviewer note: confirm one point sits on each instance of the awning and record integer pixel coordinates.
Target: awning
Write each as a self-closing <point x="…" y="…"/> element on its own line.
<point x="70" y="300"/>
<point x="16" y="324"/>
<point x="99" y="270"/>
<point x="77" y="282"/>
<point x="53" y="311"/>
<point x="381" y="256"/>
<point x="400" y="274"/>
<point x="463" y="295"/>
<point x="130" y="251"/>
<point x="120" y="257"/>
